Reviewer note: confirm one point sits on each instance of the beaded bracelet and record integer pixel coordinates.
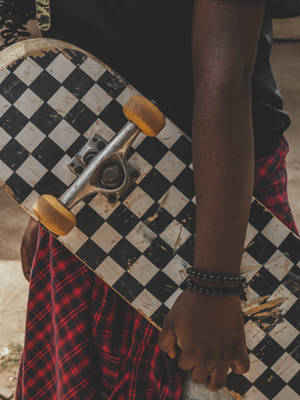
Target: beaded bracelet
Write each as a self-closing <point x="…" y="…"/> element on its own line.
<point x="216" y="291"/>
<point x="215" y="278"/>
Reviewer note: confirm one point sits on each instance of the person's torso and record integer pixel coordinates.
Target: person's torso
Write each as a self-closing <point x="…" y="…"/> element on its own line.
<point x="149" y="44"/>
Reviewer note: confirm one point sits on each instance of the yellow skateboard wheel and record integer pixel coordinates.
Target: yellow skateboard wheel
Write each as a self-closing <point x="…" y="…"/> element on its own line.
<point x="53" y="215"/>
<point x="145" y="115"/>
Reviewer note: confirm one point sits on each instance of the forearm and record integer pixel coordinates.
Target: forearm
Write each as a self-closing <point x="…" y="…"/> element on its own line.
<point x="223" y="161"/>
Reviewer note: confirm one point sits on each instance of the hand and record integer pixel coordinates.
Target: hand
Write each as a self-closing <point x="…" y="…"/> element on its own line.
<point x="28" y="247"/>
<point x="210" y="334"/>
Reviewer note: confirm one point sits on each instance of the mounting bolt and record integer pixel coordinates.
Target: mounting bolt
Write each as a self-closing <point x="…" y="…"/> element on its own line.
<point x="112" y="176"/>
<point x="78" y="169"/>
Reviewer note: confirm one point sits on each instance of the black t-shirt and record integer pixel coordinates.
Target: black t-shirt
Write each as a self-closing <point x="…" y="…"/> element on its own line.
<point x="149" y="44"/>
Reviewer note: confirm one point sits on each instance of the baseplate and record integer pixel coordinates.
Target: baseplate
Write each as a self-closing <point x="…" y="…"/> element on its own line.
<point x="53" y="97"/>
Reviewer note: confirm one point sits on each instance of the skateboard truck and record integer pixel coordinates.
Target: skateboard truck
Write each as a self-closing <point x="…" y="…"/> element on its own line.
<point x="101" y="167"/>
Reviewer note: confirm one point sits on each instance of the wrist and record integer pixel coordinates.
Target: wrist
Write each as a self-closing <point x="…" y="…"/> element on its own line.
<point x="218" y="278"/>
<point x="217" y="291"/>
<point x="207" y="283"/>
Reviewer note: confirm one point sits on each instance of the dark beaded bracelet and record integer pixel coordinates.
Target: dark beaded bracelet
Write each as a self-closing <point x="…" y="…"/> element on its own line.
<point x="216" y="291"/>
<point x="215" y="277"/>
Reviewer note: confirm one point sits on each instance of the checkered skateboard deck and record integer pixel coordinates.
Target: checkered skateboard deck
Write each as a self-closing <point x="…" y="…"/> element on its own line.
<point x="53" y="98"/>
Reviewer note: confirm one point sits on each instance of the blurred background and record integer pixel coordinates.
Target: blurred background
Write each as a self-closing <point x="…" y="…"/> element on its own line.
<point x="14" y="288"/>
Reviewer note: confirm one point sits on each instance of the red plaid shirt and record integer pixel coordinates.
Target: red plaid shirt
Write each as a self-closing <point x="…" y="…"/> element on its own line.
<point x="82" y="338"/>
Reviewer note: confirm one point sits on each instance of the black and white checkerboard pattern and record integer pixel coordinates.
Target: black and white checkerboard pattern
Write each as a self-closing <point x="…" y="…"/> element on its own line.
<point x="49" y="106"/>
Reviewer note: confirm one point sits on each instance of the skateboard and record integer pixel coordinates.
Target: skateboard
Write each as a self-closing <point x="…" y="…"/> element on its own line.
<point x="113" y="179"/>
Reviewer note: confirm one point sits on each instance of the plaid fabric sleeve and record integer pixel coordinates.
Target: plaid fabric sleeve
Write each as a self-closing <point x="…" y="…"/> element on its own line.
<point x="83" y="339"/>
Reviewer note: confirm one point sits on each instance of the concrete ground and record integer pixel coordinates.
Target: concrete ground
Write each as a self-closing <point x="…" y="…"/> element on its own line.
<point x="14" y="288"/>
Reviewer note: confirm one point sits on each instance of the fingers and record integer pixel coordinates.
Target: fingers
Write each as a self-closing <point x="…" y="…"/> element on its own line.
<point x="167" y="341"/>
<point x="242" y="363"/>
<point x="200" y="373"/>
<point x="186" y="360"/>
<point x="217" y="378"/>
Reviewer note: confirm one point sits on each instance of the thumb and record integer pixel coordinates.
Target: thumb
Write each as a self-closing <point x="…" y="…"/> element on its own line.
<point x="167" y="340"/>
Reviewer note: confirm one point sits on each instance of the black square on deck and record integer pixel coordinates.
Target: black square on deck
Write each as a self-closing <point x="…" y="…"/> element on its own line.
<point x="88" y="221"/>
<point x="270" y="384"/>
<point x="13" y="121"/>
<point x="125" y="254"/>
<point x="128" y="287"/>
<point x="46" y="118"/>
<point x="91" y="254"/>
<point x="13" y="154"/>
<point x="50" y="184"/>
<point x="48" y="153"/>
<point x="44" y="86"/>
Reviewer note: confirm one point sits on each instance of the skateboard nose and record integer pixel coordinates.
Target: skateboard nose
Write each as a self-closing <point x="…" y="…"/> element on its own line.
<point x="112" y="176"/>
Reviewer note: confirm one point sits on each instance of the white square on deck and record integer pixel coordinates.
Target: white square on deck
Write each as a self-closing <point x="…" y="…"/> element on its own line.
<point x="74" y="240"/>
<point x="249" y="266"/>
<point x="60" y="68"/>
<point x="28" y="103"/>
<point x="276" y="231"/>
<point x="279" y="265"/>
<point x="31" y="171"/>
<point x="138" y="140"/>
<point x="171" y="300"/>
<point x="170" y="166"/>
<point x="4" y="105"/>
<point x="176" y="269"/>
<point x="288" y="298"/>
<point x="169" y="134"/>
<point x="143" y="270"/>
<point x="4" y="138"/>
<point x="96" y="99"/>
<point x="5" y="171"/>
<point x="28" y="71"/>
<point x="30" y="200"/>
<point x="173" y="201"/>
<point x="141" y="165"/>
<point x="284" y="333"/>
<point x="30" y="137"/>
<point x="175" y="235"/>
<point x="254" y="394"/>
<point x="78" y="207"/>
<point x="92" y="68"/>
<point x="124" y="96"/>
<point x="141" y="236"/>
<point x="286" y="367"/>
<point x="146" y="302"/>
<point x="250" y="234"/>
<point x="100" y="128"/>
<point x="4" y="74"/>
<point x="62" y="171"/>
<point x="257" y="368"/>
<point x="254" y="334"/>
<point x="286" y="393"/>
<point x="106" y="237"/>
<point x="64" y="135"/>
<point x="62" y="101"/>
<point x="138" y="202"/>
<point x="253" y="299"/>
<point x="109" y="271"/>
<point x="101" y="205"/>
